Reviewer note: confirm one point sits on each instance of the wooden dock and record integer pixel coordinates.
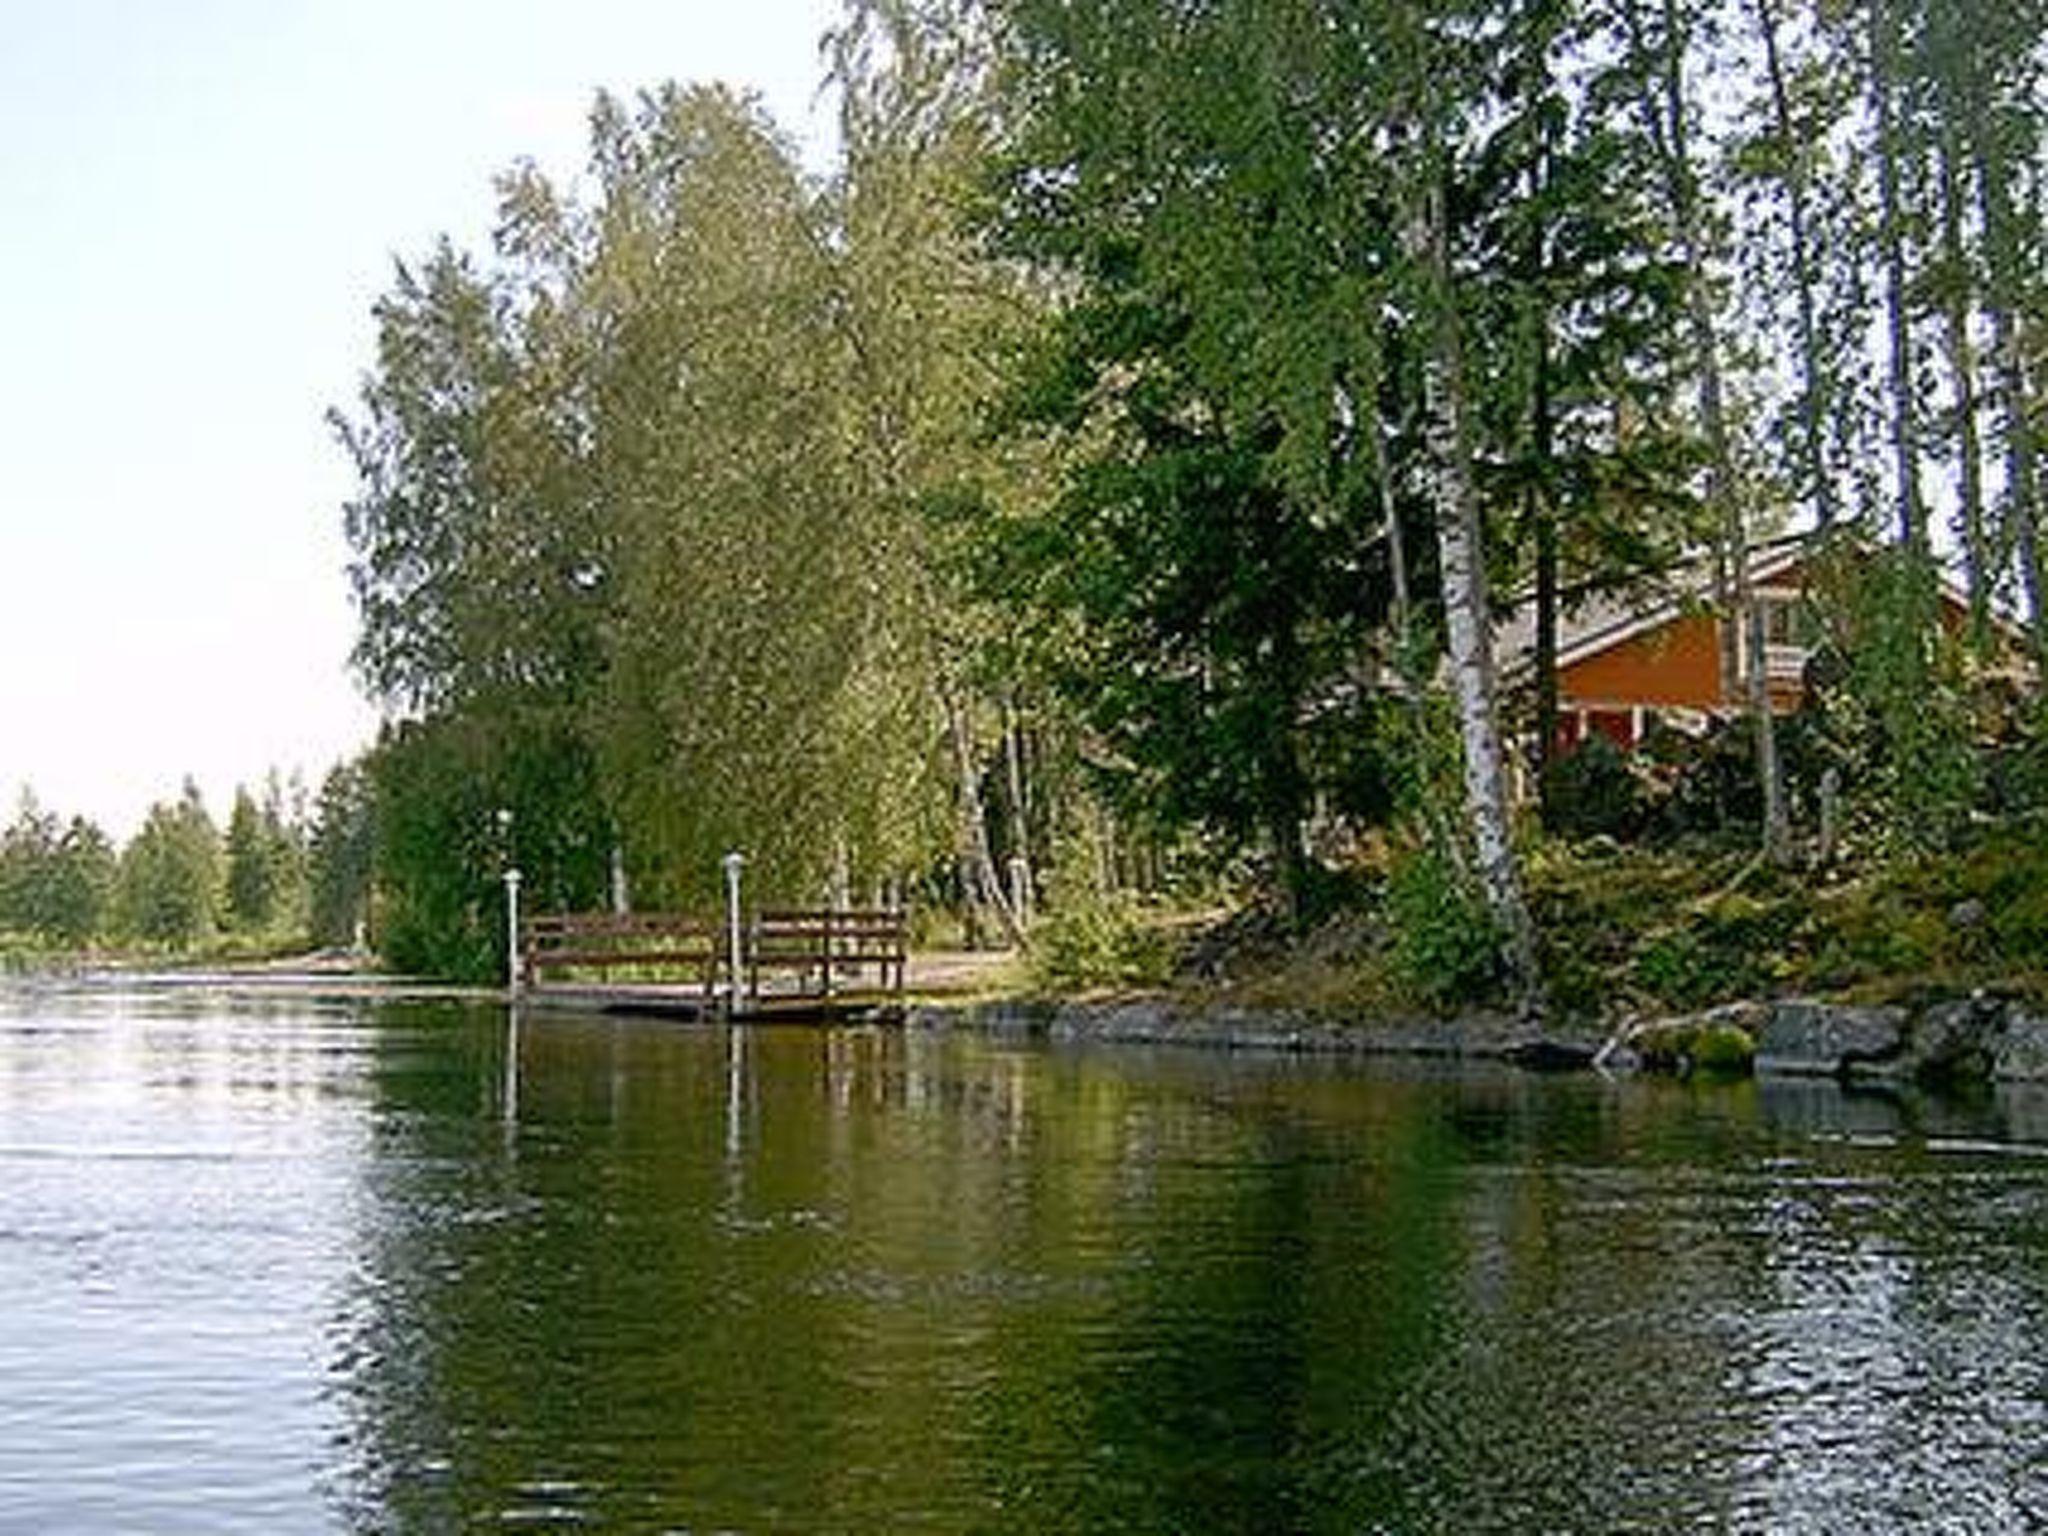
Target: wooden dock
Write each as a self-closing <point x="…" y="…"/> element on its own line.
<point x="818" y="965"/>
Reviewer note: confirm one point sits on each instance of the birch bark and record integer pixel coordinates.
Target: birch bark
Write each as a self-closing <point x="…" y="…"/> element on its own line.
<point x="1467" y="615"/>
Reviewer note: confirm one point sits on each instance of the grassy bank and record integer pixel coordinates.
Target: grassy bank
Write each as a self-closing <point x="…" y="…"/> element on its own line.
<point x="1622" y="931"/>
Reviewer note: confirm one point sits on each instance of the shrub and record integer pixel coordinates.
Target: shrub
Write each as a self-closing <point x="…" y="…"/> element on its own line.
<point x="1446" y="948"/>
<point x="1591" y="792"/>
<point x="1679" y="968"/>
<point x="1722" y="1048"/>
<point x="1687" y="1046"/>
<point x="1096" y="940"/>
<point x="1712" y="783"/>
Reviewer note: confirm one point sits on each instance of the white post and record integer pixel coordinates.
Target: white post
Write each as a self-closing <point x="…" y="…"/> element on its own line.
<point x="732" y="862"/>
<point x="512" y="967"/>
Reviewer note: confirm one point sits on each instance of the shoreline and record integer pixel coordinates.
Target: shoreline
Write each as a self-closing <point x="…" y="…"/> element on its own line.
<point x="1952" y="1041"/>
<point x="1956" y="1040"/>
<point x="1149" y="1019"/>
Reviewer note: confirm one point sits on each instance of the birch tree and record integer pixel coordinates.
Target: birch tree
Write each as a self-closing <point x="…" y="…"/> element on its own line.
<point x="925" y="318"/>
<point x="1660" y="42"/>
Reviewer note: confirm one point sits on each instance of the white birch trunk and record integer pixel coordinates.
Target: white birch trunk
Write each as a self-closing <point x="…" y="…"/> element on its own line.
<point x="1467" y="615"/>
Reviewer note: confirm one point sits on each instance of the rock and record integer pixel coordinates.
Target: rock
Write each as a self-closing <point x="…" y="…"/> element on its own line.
<point x="1619" y="1059"/>
<point x="1545" y="1055"/>
<point x="2024" y="1109"/>
<point x="1802" y="1038"/>
<point x="2021" y="1051"/>
<point x="1956" y="1041"/>
<point x="1967" y="915"/>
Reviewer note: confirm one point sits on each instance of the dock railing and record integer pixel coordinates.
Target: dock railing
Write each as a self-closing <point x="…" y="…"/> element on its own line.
<point x="788" y="954"/>
<point x="620" y="946"/>
<point x="828" y="952"/>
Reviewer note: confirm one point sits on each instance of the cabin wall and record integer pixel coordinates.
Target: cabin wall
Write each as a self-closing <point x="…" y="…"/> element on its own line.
<point x="1675" y="666"/>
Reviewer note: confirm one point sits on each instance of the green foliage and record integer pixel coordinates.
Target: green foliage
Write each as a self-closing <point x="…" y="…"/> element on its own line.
<point x="1446" y="949"/>
<point x="2015" y="894"/>
<point x="442" y="846"/>
<point x="1683" y="967"/>
<point x="653" y="487"/>
<point x="1098" y="941"/>
<point x="1723" y="1048"/>
<point x="56" y="884"/>
<point x="1902" y="708"/>
<point x="1648" y="930"/>
<point x="1712" y="1046"/>
<point x="171" y="874"/>
<point x="693" y="493"/>
<point x="1592" y="792"/>
<point x="1727" y="944"/>
<point x="1209" y="565"/>
<point x="1972" y="919"/>
<point x="1091" y="937"/>
<point x="1880" y="933"/>
<point x="341" y="855"/>
<point x="265" y="863"/>
<point x="25" y="853"/>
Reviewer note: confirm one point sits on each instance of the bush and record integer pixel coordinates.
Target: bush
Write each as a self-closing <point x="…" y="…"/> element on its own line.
<point x="1711" y="782"/>
<point x="1723" y="1048"/>
<point x="1679" y="968"/>
<point x="1736" y="944"/>
<point x="1095" y="940"/>
<point x="1446" y="947"/>
<point x="1688" y="1046"/>
<point x="1904" y="711"/>
<point x="1592" y="792"/>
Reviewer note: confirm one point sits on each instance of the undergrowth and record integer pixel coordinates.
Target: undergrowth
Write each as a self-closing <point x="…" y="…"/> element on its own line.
<point x="1628" y="930"/>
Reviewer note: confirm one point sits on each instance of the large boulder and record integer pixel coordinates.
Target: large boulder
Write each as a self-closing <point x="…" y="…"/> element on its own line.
<point x="1808" y="1039"/>
<point x="1957" y="1040"/>
<point x="2021" y="1052"/>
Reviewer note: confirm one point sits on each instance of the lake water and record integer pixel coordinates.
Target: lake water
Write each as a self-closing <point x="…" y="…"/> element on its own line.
<point x="306" y="1266"/>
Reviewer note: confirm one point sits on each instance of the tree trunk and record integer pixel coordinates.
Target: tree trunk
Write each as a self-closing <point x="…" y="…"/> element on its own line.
<point x="980" y="888"/>
<point x="1538" y="508"/>
<point x="2022" y="482"/>
<point x="2023" y="489"/>
<point x="1546" y="647"/>
<point x="1978" y="564"/>
<point x="1390" y="522"/>
<point x="1468" y="621"/>
<point x="1811" y="414"/>
<point x="1892" y="240"/>
<point x="1672" y="135"/>
<point x="1013" y="773"/>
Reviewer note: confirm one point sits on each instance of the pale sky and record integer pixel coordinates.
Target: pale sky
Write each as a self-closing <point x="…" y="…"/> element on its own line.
<point x="202" y="198"/>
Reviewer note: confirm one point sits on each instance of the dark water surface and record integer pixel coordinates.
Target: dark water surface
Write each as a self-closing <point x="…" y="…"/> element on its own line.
<point x="304" y="1266"/>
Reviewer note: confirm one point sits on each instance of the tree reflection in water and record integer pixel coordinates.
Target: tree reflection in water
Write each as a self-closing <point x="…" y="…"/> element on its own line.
<point x="639" y="1275"/>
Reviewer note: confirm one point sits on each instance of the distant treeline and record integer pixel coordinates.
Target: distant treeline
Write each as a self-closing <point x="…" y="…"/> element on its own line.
<point x="282" y="875"/>
<point x="1110" y="471"/>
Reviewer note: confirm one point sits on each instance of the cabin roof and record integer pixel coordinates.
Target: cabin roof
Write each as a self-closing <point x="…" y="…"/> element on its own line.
<point x="1605" y="620"/>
